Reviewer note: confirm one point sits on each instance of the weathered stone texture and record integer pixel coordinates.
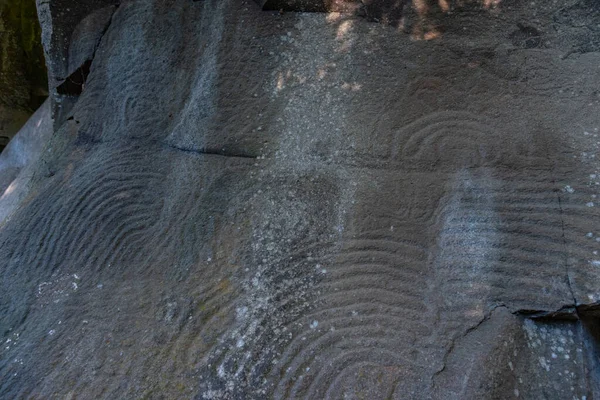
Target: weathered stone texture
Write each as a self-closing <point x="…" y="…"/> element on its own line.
<point x="18" y="160"/>
<point x="250" y="205"/>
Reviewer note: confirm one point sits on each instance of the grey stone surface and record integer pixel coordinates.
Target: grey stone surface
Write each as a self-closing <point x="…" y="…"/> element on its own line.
<point x="18" y="160"/>
<point x="251" y="205"/>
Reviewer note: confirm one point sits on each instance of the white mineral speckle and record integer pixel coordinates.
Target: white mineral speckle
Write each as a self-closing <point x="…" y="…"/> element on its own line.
<point x="544" y="363"/>
<point x="314" y="324"/>
<point x="241" y="312"/>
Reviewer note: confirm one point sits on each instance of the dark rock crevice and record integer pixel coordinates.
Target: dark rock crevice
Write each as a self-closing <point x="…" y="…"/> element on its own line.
<point x="214" y="151"/>
<point x="71" y="34"/>
<point x="565" y="249"/>
<point x="591" y="334"/>
<point x="74" y="84"/>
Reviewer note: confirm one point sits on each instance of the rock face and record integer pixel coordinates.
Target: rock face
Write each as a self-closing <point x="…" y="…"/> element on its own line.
<point x="23" y="82"/>
<point x="71" y="35"/>
<point x="18" y="161"/>
<point x="242" y="204"/>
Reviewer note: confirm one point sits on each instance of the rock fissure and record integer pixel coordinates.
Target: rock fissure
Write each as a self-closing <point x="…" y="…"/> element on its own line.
<point x="564" y="240"/>
<point x="568" y="312"/>
<point x="466" y="333"/>
<point x="74" y="84"/>
<point x="213" y="151"/>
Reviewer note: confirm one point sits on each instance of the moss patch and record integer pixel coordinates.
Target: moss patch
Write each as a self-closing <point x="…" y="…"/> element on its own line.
<point x="23" y="76"/>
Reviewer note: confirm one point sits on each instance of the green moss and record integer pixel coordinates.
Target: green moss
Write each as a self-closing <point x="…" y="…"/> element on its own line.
<point x="23" y="76"/>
